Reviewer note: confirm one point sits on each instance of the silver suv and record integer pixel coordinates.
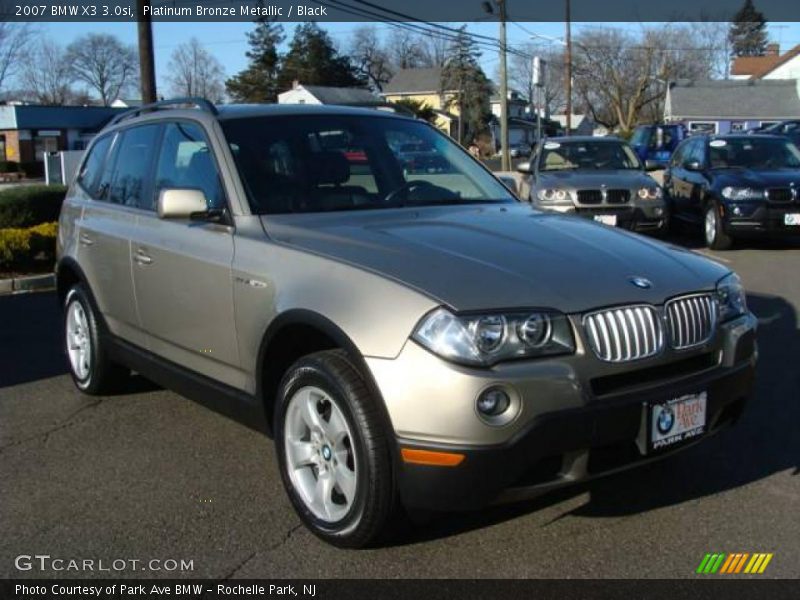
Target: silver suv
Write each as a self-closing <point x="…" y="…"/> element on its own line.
<point x="411" y="337"/>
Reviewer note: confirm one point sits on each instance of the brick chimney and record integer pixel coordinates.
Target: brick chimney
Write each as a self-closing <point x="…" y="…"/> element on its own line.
<point x="773" y="49"/>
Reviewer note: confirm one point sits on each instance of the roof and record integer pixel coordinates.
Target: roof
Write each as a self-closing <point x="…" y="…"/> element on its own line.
<point x="342" y="95"/>
<point x="415" y="81"/>
<point x="241" y="111"/>
<point x="775" y="99"/>
<point x="575" y="120"/>
<point x="34" y="116"/>
<point x="759" y="66"/>
<point x="584" y="138"/>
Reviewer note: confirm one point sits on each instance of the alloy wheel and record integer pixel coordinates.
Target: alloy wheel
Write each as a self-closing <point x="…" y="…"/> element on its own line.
<point x="79" y="344"/>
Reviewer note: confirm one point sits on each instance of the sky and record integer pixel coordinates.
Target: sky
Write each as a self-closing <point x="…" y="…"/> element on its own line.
<point x="226" y="40"/>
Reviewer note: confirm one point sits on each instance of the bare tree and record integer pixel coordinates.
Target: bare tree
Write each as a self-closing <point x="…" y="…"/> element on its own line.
<point x="193" y="71"/>
<point x="14" y="38"/>
<point x="404" y="49"/>
<point x="434" y="51"/>
<point x="521" y="76"/>
<point x="105" y="64"/>
<point x="369" y="57"/>
<point x="45" y="74"/>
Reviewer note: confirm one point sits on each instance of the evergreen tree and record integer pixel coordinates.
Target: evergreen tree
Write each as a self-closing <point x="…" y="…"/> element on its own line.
<point x="462" y="73"/>
<point x="258" y="83"/>
<point x="313" y="59"/>
<point x="748" y="31"/>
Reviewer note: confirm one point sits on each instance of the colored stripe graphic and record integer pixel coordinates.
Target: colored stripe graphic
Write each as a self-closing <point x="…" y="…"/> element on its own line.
<point x="735" y="563"/>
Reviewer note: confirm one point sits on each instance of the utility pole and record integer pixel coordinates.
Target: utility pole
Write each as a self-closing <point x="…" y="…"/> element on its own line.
<point x="505" y="158"/>
<point x="568" y="64"/>
<point x="147" y="69"/>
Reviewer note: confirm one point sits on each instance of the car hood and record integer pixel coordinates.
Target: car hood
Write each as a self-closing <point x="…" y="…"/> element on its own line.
<point x="754" y="178"/>
<point x="594" y="180"/>
<point x="491" y="256"/>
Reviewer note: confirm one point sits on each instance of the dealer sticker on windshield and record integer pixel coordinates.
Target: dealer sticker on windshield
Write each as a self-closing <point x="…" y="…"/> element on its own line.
<point x="677" y="420"/>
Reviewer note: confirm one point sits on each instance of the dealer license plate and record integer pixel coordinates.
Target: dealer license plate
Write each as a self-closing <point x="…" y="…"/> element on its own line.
<point x="607" y="219"/>
<point x="792" y="219"/>
<point x="677" y="420"/>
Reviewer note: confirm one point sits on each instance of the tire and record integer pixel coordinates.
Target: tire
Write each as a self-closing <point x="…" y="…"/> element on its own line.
<point x="713" y="231"/>
<point x="93" y="372"/>
<point x="345" y="494"/>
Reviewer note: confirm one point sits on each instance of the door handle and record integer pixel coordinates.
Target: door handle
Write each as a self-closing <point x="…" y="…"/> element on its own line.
<point x="142" y="258"/>
<point x="85" y="240"/>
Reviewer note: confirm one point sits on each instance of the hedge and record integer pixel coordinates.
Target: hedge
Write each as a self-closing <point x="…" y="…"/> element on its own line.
<point x="8" y="166"/>
<point x="28" y="205"/>
<point x="21" y="248"/>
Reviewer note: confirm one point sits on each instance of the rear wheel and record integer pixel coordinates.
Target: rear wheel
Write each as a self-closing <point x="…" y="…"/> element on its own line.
<point x="713" y="231"/>
<point x="333" y="451"/>
<point x="92" y="370"/>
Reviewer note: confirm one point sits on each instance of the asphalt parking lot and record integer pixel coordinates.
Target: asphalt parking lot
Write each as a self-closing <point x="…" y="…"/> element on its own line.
<point x="150" y="475"/>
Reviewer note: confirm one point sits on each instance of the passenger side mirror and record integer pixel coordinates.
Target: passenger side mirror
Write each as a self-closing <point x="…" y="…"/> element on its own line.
<point x="181" y="203"/>
<point x="524" y="167"/>
<point x="651" y="165"/>
<point x="693" y="165"/>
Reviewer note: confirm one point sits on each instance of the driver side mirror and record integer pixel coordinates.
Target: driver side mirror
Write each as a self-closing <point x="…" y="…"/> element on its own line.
<point x="181" y="203"/>
<point x="524" y="167"/>
<point x="693" y="165"/>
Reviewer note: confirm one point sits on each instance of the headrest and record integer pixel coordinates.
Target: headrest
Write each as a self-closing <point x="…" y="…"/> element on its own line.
<point x="330" y="167"/>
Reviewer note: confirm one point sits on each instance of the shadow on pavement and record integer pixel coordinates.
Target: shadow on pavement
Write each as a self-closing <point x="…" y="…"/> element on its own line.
<point x="762" y="443"/>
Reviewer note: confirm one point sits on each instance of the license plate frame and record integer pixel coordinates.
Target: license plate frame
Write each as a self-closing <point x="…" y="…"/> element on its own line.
<point x="675" y="421"/>
<point x="791" y="219"/>
<point x="610" y="220"/>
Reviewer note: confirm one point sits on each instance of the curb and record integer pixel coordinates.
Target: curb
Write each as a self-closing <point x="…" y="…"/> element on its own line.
<point x="32" y="283"/>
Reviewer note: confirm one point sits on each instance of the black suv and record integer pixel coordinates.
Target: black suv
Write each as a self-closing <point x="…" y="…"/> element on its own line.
<point x="735" y="186"/>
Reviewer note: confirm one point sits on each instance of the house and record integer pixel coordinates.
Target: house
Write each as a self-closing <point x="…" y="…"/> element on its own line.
<point x="317" y="94"/>
<point x="731" y="105"/>
<point x="127" y="103"/>
<point x="424" y="86"/>
<point x="27" y="131"/>
<point x="579" y="124"/>
<point x="521" y="129"/>
<point x="772" y="65"/>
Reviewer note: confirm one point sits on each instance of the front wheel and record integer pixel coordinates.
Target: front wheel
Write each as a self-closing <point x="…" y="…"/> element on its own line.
<point x="333" y="452"/>
<point x="714" y="233"/>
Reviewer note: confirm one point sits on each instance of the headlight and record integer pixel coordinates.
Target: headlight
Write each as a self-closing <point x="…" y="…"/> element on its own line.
<point x="737" y="193"/>
<point x="731" y="297"/>
<point x="549" y="195"/>
<point x="490" y="338"/>
<point x="649" y="193"/>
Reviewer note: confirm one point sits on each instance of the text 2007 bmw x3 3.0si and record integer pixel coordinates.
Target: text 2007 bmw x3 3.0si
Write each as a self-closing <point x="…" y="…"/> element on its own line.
<point x="409" y="333"/>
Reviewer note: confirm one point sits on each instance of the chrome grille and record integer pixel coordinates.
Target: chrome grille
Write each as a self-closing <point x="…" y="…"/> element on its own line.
<point x="624" y="334"/>
<point x="590" y="196"/>
<point x="618" y="196"/>
<point x="691" y="320"/>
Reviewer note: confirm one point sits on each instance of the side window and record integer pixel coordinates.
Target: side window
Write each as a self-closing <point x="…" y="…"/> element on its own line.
<point x="93" y="165"/>
<point x="130" y="183"/>
<point x="682" y="153"/>
<point x="186" y="161"/>
<point x="698" y="151"/>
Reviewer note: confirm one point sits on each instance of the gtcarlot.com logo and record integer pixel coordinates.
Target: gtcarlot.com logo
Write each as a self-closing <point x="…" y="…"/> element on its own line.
<point x="735" y="563"/>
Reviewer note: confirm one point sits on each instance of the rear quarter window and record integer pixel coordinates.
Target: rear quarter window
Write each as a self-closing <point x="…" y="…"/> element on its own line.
<point x="93" y="165"/>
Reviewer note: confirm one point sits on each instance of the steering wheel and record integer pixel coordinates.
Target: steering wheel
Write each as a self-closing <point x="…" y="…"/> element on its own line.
<point x="406" y="188"/>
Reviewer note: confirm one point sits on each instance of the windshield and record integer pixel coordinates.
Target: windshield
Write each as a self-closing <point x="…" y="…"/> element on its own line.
<point x="641" y="136"/>
<point x="320" y="163"/>
<point x="591" y="155"/>
<point x="753" y="153"/>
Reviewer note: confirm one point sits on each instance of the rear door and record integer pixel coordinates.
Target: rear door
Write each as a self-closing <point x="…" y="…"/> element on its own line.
<point x="696" y="181"/>
<point x="104" y="237"/>
<point x="182" y="268"/>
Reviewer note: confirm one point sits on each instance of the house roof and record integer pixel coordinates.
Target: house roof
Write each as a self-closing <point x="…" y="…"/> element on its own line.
<point x="759" y="66"/>
<point x="733" y="99"/>
<point x="415" y="81"/>
<point x="342" y="95"/>
<point x="33" y="116"/>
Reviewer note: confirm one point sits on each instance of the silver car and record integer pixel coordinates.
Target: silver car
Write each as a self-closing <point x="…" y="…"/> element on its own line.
<point x="599" y="178"/>
<point x="409" y="339"/>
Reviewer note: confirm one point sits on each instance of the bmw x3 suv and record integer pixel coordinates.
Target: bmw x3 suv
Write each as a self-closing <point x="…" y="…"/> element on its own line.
<point x="416" y="341"/>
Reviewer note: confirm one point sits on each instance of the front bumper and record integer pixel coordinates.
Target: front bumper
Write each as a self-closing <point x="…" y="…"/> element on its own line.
<point x="650" y="218"/>
<point x="760" y="219"/>
<point x="575" y="421"/>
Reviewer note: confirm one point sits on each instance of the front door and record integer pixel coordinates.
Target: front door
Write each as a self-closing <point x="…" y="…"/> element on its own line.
<point x="182" y="268"/>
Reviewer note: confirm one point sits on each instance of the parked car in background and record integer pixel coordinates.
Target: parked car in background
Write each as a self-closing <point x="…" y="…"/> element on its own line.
<point x="599" y="178"/>
<point x="519" y="149"/>
<point x="735" y="186"/>
<point x="422" y="341"/>
<point x="787" y="129"/>
<point x="654" y="144"/>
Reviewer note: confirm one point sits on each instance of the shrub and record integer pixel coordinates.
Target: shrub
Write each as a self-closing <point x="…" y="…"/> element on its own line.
<point x="21" y="248"/>
<point x="32" y="168"/>
<point x="8" y="166"/>
<point x="29" y="205"/>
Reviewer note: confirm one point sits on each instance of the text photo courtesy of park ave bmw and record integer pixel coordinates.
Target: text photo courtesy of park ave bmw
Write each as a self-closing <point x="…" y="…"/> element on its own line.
<point x="391" y="298"/>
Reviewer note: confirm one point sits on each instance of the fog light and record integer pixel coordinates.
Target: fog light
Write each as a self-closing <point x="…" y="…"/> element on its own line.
<point x="658" y="212"/>
<point x="737" y="211"/>
<point x="493" y="402"/>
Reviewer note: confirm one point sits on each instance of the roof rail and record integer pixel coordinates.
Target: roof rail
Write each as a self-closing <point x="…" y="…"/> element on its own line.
<point x="201" y="103"/>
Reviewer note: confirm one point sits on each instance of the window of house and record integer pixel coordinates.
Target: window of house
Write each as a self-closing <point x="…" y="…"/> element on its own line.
<point x="702" y="127"/>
